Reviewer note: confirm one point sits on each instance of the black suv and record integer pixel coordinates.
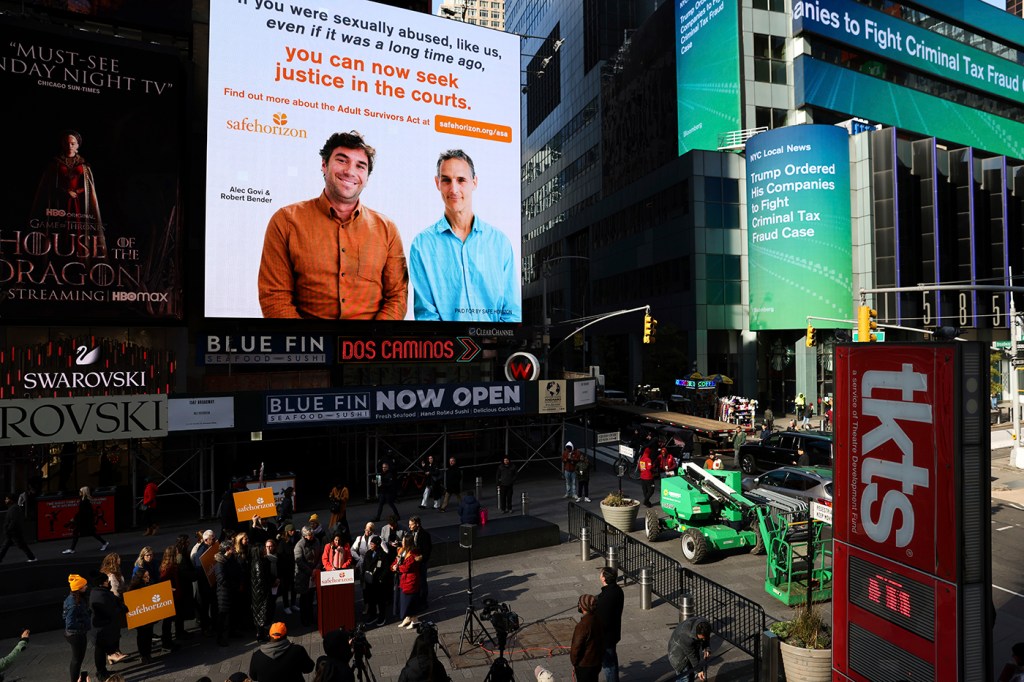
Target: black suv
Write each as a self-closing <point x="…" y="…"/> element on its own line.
<point x="780" y="449"/>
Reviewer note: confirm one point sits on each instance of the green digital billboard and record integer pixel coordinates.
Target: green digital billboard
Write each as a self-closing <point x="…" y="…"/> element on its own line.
<point x="800" y="254"/>
<point x="707" y="71"/>
<point x="874" y="32"/>
<point x="832" y="87"/>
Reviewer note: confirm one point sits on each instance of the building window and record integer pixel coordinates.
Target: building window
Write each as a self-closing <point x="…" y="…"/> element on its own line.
<point x="767" y="117"/>
<point x="770" y="5"/>
<point x="769" y="59"/>
<point x="723" y="279"/>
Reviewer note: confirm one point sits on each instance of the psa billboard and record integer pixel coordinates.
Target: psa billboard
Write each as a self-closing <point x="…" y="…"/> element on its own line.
<point x="707" y="71"/>
<point x="302" y="223"/>
<point x="92" y="209"/>
<point x="798" y="236"/>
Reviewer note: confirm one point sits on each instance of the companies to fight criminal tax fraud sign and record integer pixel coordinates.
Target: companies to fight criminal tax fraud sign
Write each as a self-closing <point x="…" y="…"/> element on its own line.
<point x="707" y="71"/>
<point x="285" y="77"/>
<point x="799" y="242"/>
<point x="260" y="502"/>
<point x="149" y="604"/>
<point x="91" y="215"/>
<point x="61" y="420"/>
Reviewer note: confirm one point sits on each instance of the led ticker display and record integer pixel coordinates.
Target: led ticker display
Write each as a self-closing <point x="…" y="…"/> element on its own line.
<point x="897" y="598"/>
<point x="285" y="77"/>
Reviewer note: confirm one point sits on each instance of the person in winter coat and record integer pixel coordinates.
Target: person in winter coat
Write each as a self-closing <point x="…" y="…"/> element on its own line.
<point x="335" y="664"/>
<point x="148" y="507"/>
<point x="337" y="554"/>
<point x="286" y="566"/>
<point x="362" y="544"/>
<point x="688" y="649"/>
<point x="423" y="664"/>
<point x="569" y="459"/>
<point x="143" y="633"/>
<point x="431" y="477"/>
<point x="583" y="479"/>
<point x="228" y="575"/>
<point x="77" y="622"/>
<point x="648" y="472"/>
<point x="14" y="529"/>
<point x="169" y="570"/>
<point x="85" y="522"/>
<point x="261" y="582"/>
<point x="287" y="508"/>
<point x="452" y="482"/>
<point x="280" y="660"/>
<point x="608" y="609"/>
<point x="406" y="565"/>
<point x="505" y="477"/>
<point x="469" y="508"/>
<point x="587" y="642"/>
<point x="206" y="597"/>
<point x="337" y="504"/>
<point x="387" y="491"/>
<point x="146" y="562"/>
<point x="107" y="612"/>
<point x="377" y="583"/>
<point x="307" y="561"/>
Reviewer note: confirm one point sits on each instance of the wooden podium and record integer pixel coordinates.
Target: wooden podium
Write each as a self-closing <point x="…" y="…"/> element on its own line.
<point x="336" y="600"/>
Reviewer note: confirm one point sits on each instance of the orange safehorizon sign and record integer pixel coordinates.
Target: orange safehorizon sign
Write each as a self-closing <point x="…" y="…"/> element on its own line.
<point x="259" y="502"/>
<point x="149" y="604"/>
<point x="208" y="559"/>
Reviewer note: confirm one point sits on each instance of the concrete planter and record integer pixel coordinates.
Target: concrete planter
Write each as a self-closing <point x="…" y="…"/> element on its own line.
<point x="806" y="665"/>
<point x="621" y="517"/>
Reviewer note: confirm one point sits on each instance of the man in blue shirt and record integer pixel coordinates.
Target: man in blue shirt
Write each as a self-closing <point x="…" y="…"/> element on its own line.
<point x="462" y="268"/>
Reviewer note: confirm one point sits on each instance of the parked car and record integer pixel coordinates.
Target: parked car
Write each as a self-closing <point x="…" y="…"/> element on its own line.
<point x="813" y="484"/>
<point x="781" y="449"/>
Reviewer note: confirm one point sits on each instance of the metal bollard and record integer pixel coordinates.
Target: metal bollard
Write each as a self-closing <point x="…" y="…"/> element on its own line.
<point x="686" y="609"/>
<point x="525" y="501"/>
<point x="611" y="559"/>
<point x="585" y="544"/>
<point x="479" y="487"/>
<point x="646" y="582"/>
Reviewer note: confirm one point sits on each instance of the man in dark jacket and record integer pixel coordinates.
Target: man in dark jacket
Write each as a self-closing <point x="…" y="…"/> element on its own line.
<point x="587" y="642"/>
<point x="609" y="612"/>
<point x="469" y="508"/>
<point x="452" y="482"/>
<point x="107" y="612"/>
<point x="335" y="664"/>
<point x="307" y="557"/>
<point x="505" y="477"/>
<point x="386" y="491"/>
<point x="228" y="575"/>
<point x="376" y="581"/>
<point x="14" y="529"/>
<point x="423" y="663"/>
<point x="688" y="649"/>
<point x="280" y="660"/>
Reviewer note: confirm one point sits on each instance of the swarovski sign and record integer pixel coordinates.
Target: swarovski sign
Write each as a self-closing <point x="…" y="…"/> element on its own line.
<point x="60" y="420"/>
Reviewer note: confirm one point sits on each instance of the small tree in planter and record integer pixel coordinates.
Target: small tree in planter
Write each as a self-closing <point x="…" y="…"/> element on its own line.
<point x="806" y="644"/>
<point x="619" y="511"/>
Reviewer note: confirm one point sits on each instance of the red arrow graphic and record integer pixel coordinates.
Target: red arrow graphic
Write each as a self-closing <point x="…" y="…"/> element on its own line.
<point x="472" y="349"/>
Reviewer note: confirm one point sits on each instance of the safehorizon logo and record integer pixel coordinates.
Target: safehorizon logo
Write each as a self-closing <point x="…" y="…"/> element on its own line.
<point x="279" y="128"/>
<point x="146" y="608"/>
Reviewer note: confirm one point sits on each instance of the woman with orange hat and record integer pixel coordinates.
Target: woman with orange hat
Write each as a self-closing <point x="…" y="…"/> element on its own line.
<point x="77" y="622"/>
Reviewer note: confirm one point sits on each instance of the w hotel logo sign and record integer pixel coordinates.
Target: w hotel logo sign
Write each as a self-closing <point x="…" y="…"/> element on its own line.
<point x="522" y="367"/>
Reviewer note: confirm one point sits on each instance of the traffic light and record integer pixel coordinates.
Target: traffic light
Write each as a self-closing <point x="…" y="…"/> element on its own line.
<point x="811" y="338"/>
<point x="654" y="330"/>
<point x="866" y="323"/>
<point x="649" y="325"/>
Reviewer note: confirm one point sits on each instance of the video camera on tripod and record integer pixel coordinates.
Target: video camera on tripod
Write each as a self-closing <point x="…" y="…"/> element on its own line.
<point x="360" y="647"/>
<point x="504" y="620"/>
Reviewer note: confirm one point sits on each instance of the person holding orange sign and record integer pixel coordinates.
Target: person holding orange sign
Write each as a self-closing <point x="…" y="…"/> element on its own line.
<point x="461" y="267"/>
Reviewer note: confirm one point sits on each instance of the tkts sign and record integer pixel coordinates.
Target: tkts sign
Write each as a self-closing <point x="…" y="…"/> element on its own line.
<point x="900" y="443"/>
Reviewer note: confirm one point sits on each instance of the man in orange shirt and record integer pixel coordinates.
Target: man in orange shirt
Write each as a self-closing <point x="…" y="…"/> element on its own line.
<point x="332" y="257"/>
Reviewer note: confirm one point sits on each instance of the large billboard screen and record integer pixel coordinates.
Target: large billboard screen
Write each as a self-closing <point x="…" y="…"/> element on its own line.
<point x="707" y="71"/>
<point x="91" y="221"/>
<point x="798" y="237"/>
<point x="833" y="87"/>
<point x="874" y="32"/>
<point x="354" y="234"/>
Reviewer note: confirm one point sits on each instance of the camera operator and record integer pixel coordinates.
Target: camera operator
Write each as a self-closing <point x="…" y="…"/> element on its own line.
<point x="423" y="664"/>
<point x="334" y="665"/>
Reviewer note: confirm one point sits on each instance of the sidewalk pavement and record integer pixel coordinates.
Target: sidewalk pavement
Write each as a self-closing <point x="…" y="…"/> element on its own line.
<point x="542" y="586"/>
